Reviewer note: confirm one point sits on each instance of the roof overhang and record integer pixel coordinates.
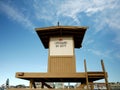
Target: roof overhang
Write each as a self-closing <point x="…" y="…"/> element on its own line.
<point x="77" y="32"/>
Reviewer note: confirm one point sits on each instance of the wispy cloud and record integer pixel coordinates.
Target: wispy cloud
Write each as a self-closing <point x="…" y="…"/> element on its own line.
<point x="103" y="54"/>
<point x="104" y="13"/>
<point x="14" y="13"/>
<point x="105" y="10"/>
<point x="45" y="11"/>
<point x="52" y="12"/>
<point x="106" y="54"/>
<point x="69" y="12"/>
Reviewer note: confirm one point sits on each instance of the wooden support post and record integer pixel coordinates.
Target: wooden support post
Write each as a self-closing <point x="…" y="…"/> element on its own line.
<point x="92" y="85"/>
<point x="31" y="83"/>
<point x="34" y="84"/>
<point x="86" y="74"/>
<point x="105" y="75"/>
<point x="81" y="87"/>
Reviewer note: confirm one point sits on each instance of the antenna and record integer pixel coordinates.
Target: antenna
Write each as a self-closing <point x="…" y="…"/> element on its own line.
<point x="58" y="23"/>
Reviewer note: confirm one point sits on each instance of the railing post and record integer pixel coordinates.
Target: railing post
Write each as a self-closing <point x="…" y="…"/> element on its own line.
<point x="86" y="74"/>
<point x="105" y="75"/>
<point x="91" y="85"/>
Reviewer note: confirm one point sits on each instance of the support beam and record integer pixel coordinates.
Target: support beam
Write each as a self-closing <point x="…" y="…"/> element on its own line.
<point x="81" y="87"/>
<point x="31" y="83"/>
<point x="45" y="84"/>
<point x="86" y="74"/>
<point x="34" y="84"/>
<point x="91" y="86"/>
<point x="105" y="75"/>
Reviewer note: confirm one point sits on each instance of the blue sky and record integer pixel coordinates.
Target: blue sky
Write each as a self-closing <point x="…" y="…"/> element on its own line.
<point x="22" y="51"/>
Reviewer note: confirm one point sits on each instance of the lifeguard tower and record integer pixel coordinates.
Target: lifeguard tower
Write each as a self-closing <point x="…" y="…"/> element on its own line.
<point x="61" y="42"/>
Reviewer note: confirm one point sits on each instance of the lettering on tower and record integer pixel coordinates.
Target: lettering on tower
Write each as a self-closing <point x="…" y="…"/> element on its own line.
<point x="61" y="46"/>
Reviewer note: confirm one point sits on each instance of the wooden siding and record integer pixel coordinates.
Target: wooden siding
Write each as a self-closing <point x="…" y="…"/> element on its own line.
<point x="62" y="64"/>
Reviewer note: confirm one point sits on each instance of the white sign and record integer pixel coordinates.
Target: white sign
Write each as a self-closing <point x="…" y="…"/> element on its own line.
<point x="61" y="46"/>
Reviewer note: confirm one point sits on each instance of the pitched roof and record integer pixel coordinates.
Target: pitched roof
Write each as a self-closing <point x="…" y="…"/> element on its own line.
<point x="77" y="32"/>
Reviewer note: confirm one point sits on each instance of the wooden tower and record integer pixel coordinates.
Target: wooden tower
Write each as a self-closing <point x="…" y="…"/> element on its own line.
<point x="61" y="42"/>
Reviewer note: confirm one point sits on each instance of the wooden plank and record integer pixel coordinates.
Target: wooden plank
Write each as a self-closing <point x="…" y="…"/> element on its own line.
<point x="50" y="75"/>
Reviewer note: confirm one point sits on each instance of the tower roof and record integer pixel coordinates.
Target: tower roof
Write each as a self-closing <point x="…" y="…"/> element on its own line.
<point x="77" y="32"/>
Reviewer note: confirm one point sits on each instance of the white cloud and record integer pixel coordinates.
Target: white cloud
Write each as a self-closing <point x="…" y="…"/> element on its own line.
<point x="90" y="41"/>
<point x="117" y="55"/>
<point x="16" y="15"/>
<point x="72" y="9"/>
<point x="45" y="11"/>
<point x="107" y="13"/>
<point x="69" y="12"/>
<point x="106" y="54"/>
<point x="101" y="54"/>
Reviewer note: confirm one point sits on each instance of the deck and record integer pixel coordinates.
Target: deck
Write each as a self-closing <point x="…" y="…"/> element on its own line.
<point x="61" y="77"/>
